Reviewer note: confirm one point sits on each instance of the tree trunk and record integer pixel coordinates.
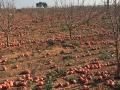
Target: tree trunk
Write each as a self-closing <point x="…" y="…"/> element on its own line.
<point x="7" y="39"/>
<point x="108" y="2"/>
<point x="70" y="33"/>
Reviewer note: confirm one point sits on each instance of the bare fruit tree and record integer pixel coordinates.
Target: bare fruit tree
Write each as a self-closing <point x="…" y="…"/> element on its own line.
<point x="7" y="11"/>
<point x="114" y="18"/>
<point x="107" y="7"/>
<point x="116" y="33"/>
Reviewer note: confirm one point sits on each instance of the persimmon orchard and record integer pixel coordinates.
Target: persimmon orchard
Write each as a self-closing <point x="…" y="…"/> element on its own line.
<point x="60" y="50"/>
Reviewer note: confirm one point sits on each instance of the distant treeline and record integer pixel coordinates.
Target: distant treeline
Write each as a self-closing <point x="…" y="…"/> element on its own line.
<point x="41" y="4"/>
